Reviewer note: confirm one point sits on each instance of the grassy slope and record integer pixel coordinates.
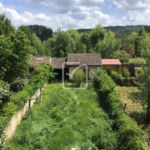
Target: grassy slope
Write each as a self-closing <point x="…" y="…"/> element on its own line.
<point x="66" y="119"/>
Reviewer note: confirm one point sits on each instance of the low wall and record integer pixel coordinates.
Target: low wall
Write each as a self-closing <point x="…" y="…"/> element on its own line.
<point x="16" y="119"/>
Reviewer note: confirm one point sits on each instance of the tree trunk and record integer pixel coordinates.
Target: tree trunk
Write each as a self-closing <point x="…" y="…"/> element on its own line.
<point x="148" y="109"/>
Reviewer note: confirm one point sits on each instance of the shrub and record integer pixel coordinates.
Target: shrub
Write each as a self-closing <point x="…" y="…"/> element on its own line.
<point x="128" y="134"/>
<point x="78" y="78"/>
<point x="114" y="75"/>
<point x="119" y="79"/>
<point x="5" y="93"/>
<point x="17" y="86"/>
<point x="126" y="74"/>
<point x="40" y="76"/>
<point x="137" y="60"/>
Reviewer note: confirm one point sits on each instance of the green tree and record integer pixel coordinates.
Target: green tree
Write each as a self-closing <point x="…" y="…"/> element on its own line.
<point x="144" y="81"/>
<point x="14" y="56"/>
<point x="41" y="31"/>
<point x="62" y="40"/>
<point x="37" y="45"/>
<point x="85" y="38"/>
<point x="108" y="45"/>
<point x="47" y="47"/>
<point x="121" y="55"/>
<point x="5" y="25"/>
<point x="98" y="33"/>
<point x="26" y="30"/>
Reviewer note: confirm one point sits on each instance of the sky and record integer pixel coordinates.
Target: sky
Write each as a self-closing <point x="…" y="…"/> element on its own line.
<point x="76" y="14"/>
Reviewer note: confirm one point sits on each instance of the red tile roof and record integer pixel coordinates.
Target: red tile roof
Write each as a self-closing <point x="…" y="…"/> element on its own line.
<point x="111" y="62"/>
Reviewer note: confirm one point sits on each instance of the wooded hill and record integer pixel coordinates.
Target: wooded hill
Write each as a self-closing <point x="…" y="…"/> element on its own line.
<point x="117" y="29"/>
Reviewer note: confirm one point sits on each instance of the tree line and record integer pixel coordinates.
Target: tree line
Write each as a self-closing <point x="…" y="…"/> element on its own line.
<point x="16" y="45"/>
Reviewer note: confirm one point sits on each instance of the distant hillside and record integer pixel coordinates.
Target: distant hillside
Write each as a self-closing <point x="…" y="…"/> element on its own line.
<point x="117" y="29"/>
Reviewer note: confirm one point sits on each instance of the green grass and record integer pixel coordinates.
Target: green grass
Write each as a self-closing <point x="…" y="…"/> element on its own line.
<point x="66" y="119"/>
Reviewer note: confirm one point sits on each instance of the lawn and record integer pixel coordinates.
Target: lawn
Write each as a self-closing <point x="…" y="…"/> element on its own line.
<point x="133" y="98"/>
<point x="66" y="119"/>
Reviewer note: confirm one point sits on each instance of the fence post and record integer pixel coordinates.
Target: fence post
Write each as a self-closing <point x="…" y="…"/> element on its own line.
<point x="40" y="94"/>
<point x="30" y="105"/>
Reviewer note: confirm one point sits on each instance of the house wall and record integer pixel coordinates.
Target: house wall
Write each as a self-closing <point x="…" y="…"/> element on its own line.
<point x="91" y="69"/>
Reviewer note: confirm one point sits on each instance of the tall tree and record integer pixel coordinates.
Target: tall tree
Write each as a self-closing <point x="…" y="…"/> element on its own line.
<point x="144" y="80"/>
<point x="14" y="56"/>
<point x="47" y="47"/>
<point x="62" y="40"/>
<point x="98" y="33"/>
<point x="108" y="45"/>
<point x="41" y="31"/>
<point x="5" y="25"/>
<point x="85" y="38"/>
<point x="37" y="45"/>
<point x="26" y="30"/>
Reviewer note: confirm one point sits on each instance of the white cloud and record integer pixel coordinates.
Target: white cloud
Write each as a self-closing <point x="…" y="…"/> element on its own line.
<point x="59" y="6"/>
<point x="1" y="6"/>
<point x="83" y="19"/>
<point x="128" y="5"/>
<point x="138" y="17"/>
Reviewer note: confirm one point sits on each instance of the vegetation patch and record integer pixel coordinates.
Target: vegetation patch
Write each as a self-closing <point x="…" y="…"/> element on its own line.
<point x="66" y="119"/>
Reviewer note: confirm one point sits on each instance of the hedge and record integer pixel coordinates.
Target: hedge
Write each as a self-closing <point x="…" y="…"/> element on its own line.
<point x="40" y="76"/>
<point x="128" y="133"/>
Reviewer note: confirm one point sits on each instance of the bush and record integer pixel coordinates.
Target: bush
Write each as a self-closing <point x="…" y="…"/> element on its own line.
<point x="78" y="78"/>
<point x="114" y="75"/>
<point x="119" y="79"/>
<point x="40" y="77"/>
<point x="5" y="93"/>
<point x="137" y="60"/>
<point x="126" y="74"/>
<point x="128" y="134"/>
<point x="17" y="86"/>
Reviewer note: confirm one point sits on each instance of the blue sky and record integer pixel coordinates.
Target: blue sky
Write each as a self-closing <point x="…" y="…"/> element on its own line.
<point x="76" y="14"/>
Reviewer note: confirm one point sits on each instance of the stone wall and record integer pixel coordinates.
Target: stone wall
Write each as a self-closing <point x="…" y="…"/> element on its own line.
<point x="16" y="119"/>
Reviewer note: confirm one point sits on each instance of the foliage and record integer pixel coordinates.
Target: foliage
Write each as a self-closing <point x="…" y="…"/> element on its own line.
<point x="137" y="60"/>
<point x="26" y="30"/>
<point x="128" y="134"/>
<point x="39" y="78"/>
<point x="127" y="48"/>
<point x="42" y="32"/>
<point x="17" y="86"/>
<point x="114" y="75"/>
<point x="116" y="29"/>
<point x="108" y="45"/>
<point x="52" y="74"/>
<point x="37" y="45"/>
<point x="5" y="93"/>
<point x="5" y="26"/>
<point x="78" y="78"/>
<point x="121" y="55"/>
<point x="126" y="73"/>
<point x="98" y="33"/>
<point x="66" y="119"/>
<point x="144" y="80"/>
<point x="47" y="47"/>
<point x="14" y="56"/>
